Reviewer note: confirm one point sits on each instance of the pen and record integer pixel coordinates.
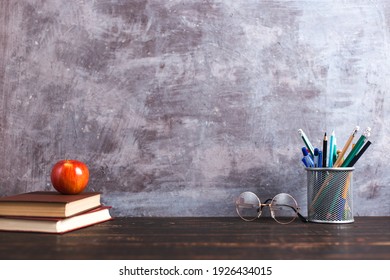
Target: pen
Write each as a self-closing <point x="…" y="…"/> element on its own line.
<point x="346" y="146"/>
<point x="316" y="157"/>
<point x="330" y="164"/>
<point x="319" y="158"/>
<point x="359" y="154"/>
<point x="307" y="142"/>
<point x="324" y="148"/>
<point x="334" y="150"/>
<point x="307" y="158"/>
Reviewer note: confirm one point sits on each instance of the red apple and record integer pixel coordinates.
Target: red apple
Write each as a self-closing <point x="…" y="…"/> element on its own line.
<point x="69" y="176"/>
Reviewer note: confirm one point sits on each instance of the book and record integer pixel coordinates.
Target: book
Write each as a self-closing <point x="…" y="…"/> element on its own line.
<point x="48" y="204"/>
<point x="55" y="225"/>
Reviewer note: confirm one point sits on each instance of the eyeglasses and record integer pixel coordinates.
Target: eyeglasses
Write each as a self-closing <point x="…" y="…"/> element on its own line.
<point x="283" y="207"/>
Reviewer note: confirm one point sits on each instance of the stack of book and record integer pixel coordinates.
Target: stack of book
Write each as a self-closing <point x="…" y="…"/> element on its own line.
<point x="51" y="212"/>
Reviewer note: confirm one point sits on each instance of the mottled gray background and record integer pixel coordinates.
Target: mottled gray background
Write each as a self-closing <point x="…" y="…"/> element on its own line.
<point x="178" y="106"/>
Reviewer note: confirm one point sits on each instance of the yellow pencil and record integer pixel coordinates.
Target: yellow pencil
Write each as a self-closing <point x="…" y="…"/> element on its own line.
<point x="339" y="160"/>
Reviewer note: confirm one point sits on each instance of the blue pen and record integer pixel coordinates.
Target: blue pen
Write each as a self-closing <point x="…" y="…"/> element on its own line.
<point x="307" y="158"/>
<point x="316" y="157"/>
<point x="319" y="159"/>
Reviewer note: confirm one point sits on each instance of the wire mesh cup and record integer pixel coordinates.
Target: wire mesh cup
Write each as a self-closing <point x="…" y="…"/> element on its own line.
<point x="329" y="195"/>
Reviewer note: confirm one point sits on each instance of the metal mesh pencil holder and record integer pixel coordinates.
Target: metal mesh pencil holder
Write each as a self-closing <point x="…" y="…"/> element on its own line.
<point x="329" y="195"/>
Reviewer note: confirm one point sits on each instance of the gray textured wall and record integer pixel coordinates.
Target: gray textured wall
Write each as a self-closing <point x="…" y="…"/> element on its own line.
<point x="178" y="106"/>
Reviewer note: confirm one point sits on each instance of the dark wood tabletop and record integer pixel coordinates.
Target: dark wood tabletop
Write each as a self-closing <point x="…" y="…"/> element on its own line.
<point x="205" y="238"/>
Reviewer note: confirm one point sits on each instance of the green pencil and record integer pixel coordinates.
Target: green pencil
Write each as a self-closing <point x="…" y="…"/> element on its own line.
<point x="357" y="147"/>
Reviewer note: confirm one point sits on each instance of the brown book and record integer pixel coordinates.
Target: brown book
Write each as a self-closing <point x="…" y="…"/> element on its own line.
<point x="48" y="204"/>
<point x="55" y="225"/>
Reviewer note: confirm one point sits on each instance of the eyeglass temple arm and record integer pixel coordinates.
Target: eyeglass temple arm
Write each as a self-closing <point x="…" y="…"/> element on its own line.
<point x="303" y="219"/>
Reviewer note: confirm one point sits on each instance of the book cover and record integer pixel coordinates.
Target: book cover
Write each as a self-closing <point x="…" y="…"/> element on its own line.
<point x="48" y="204"/>
<point x="55" y="225"/>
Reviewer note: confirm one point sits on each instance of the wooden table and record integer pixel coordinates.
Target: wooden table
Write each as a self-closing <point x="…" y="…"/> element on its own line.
<point x="205" y="238"/>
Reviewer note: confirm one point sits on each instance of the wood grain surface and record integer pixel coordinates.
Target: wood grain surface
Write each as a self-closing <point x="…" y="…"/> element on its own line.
<point x="206" y="238"/>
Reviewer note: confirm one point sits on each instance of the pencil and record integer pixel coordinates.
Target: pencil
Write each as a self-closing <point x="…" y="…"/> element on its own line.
<point x="339" y="160"/>
<point x="359" y="154"/>
<point x="324" y="150"/>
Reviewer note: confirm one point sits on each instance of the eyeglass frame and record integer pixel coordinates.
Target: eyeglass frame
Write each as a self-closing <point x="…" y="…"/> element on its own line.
<point x="262" y="205"/>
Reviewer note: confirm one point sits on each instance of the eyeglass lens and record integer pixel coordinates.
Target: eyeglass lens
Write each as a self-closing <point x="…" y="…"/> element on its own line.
<point x="248" y="206"/>
<point x="283" y="208"/>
